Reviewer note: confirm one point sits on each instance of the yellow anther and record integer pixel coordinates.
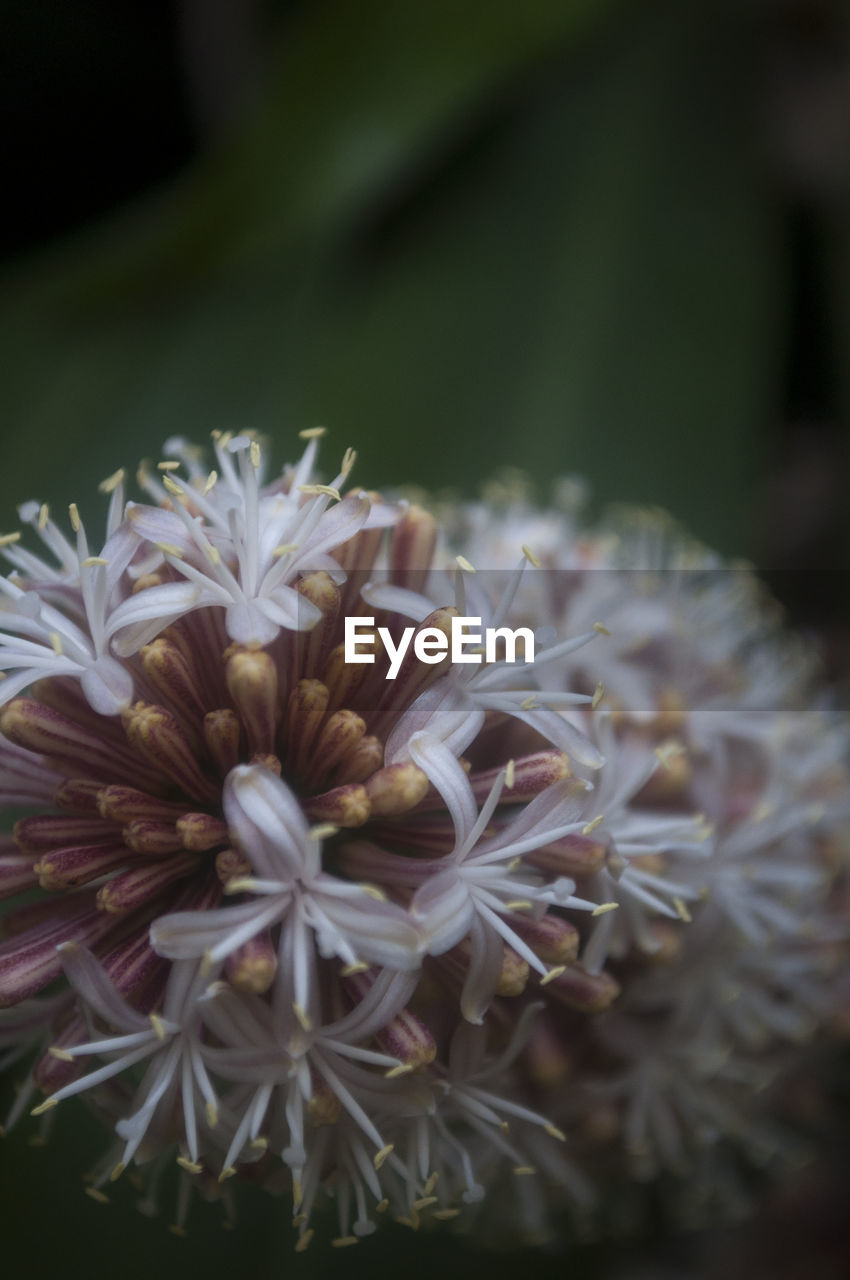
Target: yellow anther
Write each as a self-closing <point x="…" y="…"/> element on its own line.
<point x="285" y="549"/>
<point x="553" y="974"/>
<point x="603" y="630"/>
<point x="62" y="1054"/>
<point x="323" y="831"/>
<point x="171" y="486"/>
<point x="94" y="1194"/>
<point x="229" y="1172"/>
<point x="444" y="1215"/>
<point x="168" y="466"/>
<point x="111" y="483"/>
<point x="424" y="1202"/>
<point x="524" y="1170"/>
<point x="158" y="1026"/>
<point x="74" y="514"/>
<point x="591" y="826"/>
<point x="432" y="1182"/>
<point x="47" y="1105"/>
<point x="348" y="460"/>
<point x="259" y="1143"/>
<point x="682" y="911"/>
<point x="504" y="1127"/>
<point x="531" y="703"/>
<point x="303" y="1017"/>
<point x="255" y="454"/>
<point x="463" y="563"/>
<point x="117" y="1171"/>
<point x="530" y="557"/>
<point x="303" y="1241"/>
<point x="319" y="490"/>
<point x="553" y="1132"/>
<point x="212" y="553"/>
<point x="43" y="516"/>
<point x="372" y="891"/>
<point x="341" y="1242"/>
<point x="604" y="908"/>
<point x="403" y="1069"/>
<point x="598" y="695"/>
<point x="169" y="549"/>
<point x="380" y="1156"/>
<point x="350" y="970"/>
<point x="382" y="1206"/>
<point x="239" y="884"/>
<point x="312" y="433"/>
<point x="510" y="774"/>
<point x="519" y="904"/>
<point x="299" y="1220"/>
<point x="7" y="539"/>
<point x="212" y="1114"/>
<point x="90" y="561"/>
<point x="56" y="643"/>
<point x="212" y="480"/>
<point x="189" y="1165"/>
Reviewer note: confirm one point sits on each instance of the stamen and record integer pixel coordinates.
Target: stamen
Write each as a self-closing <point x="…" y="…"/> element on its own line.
<point x="111" y="483"/>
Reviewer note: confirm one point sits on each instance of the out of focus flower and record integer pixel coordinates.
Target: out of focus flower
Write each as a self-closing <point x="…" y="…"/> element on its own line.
<point x="383" y="941"/>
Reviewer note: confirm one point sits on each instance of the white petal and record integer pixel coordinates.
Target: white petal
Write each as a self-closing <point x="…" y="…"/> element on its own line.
<point x="108" y="686"/>
<point x="266" y="822"/>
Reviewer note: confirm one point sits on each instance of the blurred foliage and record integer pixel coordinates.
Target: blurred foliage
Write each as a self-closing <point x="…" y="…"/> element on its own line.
<point x="534" y="235"/>
<point x="461" y="236"/>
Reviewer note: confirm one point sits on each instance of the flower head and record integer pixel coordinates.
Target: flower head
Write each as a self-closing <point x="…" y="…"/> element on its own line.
<point x="383" y="933"/>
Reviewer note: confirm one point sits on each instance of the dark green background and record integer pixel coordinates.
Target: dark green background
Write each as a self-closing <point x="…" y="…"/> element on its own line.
<point x="591" y="236"/>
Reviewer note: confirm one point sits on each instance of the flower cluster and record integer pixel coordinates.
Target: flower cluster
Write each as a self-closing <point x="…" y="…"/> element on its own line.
<point x="388" y="943"/>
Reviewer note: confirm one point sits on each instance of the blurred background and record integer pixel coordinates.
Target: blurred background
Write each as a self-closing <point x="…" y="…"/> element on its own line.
<point x="571" y="236"/>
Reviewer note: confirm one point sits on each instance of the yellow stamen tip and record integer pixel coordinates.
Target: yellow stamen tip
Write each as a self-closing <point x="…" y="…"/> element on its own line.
<point x="553" y="974"/>
<point x="381" y="1155"/>
<point x="111" y="483"/>
<point x="47" y="1105"/>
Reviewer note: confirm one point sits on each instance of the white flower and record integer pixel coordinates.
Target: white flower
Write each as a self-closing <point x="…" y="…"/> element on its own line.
<point x="239" y="547"/>
<point x="351" y="921"/>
